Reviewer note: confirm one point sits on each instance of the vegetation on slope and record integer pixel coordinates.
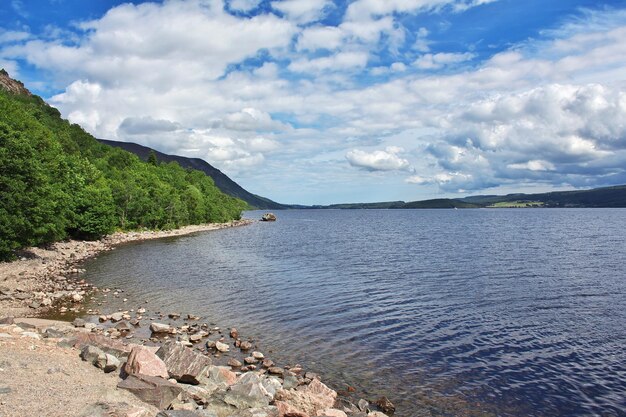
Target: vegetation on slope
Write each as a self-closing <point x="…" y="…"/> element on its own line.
<point x="222" y="181"/>
<point x="57" y="181"/>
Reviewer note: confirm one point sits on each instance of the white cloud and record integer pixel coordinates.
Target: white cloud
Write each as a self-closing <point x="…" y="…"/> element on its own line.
<point x="338" y="62"/>
<point x="442" y="59"/>
<point x="534" y="165"/>
<point x="303" y="11"/>
<point x="387" y="160"/>
<point x="320" y="37"/>
<point x="250" y="119"/>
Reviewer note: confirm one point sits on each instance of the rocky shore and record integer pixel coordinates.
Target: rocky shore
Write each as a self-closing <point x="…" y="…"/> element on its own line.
<point x="136" y="362"/>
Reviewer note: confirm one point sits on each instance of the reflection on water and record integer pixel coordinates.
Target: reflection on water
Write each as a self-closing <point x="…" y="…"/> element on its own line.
<point x="447" y="312"/>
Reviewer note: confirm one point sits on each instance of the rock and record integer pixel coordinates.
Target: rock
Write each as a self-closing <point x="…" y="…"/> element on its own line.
<point x="290" y="381"/>
<point x="174" y="316"/>
<point x="182" y="363"/>
<point x="272" y="385"/>
<point x="275" y="370"/>
<point x="222" y="347"/>
<point x="195" y="338"/>
<point x="222" y="375"/>
<point x="249" y="360"/>
<point x="234" y="363"/>
<point x="269" y="411"/>
<point x="248" y="395"/>
<point x="109" y="364"/>
<point x="234" y="333"/>
<point x="245" y="345"/>
<point x="376" y="414"/>
<point x="199" y="394"/>
<point x="363" y="405"/>
<point x="114" y="347"/>
<point x="309" y="399"/>
<point x="152" y="390"/>
<point x="186" y="413"/>
<point x="90" y="326"/>
<point x="162" y="328"/>
<point x="385" y="405"/>
<point x="46" y="302"/>
<point x="7" y="320"/>
<point x="258" y="355"/>
<point x="92" y="354"/>
<point x="77" y="298"/>
<point x="143" y="361"/>
<point x="287" y="410"/>
<point x="332" y="412"/>
<point x="78" y="323"/>
<point x="115" y="317"/>
<point x="102" y="318"/>
<point x="123" y="326"/>
<point x="268" y="363"/>
<point x="268" y="217"/>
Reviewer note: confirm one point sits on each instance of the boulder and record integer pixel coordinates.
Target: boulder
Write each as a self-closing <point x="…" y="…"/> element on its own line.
<point x="152" y="390"/>
<point x="309" y="398"/>
<point x="248" y="395"/>
<point x="222" y="347"/>
<point x="287" y="410"/>
<point x="234" y="363"/>
<point x="92" y="354"/>
<point x="114" y="347"/>
<point x="182" y="363"/>
<point x="385" y="405"/>
<point x="272" y="385"/>
<point x="108" y="364"/>
<point x="268" y="217"/>
<point x="143" y="361"/>
<point x="115" y="317"/>
<point x="162" y="328"/>
<point x="269" y="411"/>
<point x="221" y="375"/>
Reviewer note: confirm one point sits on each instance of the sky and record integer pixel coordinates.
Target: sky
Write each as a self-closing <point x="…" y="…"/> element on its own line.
<point x="320" y="101"/>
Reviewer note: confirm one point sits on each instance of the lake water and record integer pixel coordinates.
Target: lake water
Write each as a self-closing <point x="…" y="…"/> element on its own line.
<point x="504" y="312"/>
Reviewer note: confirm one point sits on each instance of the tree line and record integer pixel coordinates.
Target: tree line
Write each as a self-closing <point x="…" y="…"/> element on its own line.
<point x="58" y="182"/>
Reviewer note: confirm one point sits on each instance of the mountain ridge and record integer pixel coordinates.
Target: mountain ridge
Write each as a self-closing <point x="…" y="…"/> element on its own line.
<point x="222" y="181"/>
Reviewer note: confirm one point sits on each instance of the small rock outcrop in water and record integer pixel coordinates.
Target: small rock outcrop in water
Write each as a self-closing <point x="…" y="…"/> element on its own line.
<point x="268" y="217"/>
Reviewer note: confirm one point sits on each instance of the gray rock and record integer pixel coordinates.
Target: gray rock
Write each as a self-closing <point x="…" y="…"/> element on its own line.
<point x="269" y="411"/>
<point x="78" y="322"/>
<point x="92" y="354"/>
<point x="290" y="381"/>
<point x="110" y="364"/>
<point x="363" y="405"/>
<point x="161" y="328"/>
<point x="7" y="320"/>
<point x="222" y="347"/>
<point x="247" y="395"/>
<point x="196" y="393"/>
<point x="115" y="317"/>
<point x="183" y="364"/>
<point x="272" y="385"/>
<point x="152" y="390"/>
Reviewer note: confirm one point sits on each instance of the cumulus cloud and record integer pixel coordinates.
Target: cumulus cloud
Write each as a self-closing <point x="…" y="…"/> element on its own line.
<point x="440" y="60"/>
<point x="303" y="11"/>
<point x="244" y="5"/>
<point x="250" y="119"/>
<point x="387" y="160"/>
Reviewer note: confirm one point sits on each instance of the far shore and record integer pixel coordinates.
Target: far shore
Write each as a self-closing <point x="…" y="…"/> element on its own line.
<point x="30" y="285"/>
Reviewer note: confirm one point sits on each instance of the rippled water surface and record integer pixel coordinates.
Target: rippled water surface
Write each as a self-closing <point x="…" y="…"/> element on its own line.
<point x="447" y="312"/>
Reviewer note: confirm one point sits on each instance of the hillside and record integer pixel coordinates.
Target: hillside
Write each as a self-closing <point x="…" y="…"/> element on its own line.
<point x="598" y="197"/>
<point x="222" y="181"/>
<point x="57" y="181"/>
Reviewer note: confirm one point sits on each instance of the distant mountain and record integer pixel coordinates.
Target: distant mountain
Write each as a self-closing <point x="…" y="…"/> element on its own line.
<point x="223" y="182"/>
<point x="598" y="197"/>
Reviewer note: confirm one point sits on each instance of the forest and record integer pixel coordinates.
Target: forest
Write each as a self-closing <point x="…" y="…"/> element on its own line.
<point x="57" y="182"/>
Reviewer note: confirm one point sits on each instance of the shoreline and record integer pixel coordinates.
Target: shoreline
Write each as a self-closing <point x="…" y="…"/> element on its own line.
<point x="45" y="275"/>
<point x="49" y="280"/>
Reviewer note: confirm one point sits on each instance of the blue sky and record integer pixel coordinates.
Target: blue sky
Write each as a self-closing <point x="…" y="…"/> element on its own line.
<point x="320" y="101"/>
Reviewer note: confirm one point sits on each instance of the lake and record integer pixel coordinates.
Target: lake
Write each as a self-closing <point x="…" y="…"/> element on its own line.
<point x="504" y="312"/>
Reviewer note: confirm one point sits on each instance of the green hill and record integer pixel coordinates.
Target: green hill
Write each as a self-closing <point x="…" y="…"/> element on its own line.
<point x="57" y="181"/>
<point x="222" y="181"/>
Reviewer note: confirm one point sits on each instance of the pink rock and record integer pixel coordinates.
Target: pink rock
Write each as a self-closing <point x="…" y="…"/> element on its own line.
<point x="325" y="395"/>
<point x="310" y="399"/>
<point x="287" y="410"/>
<point x="143" y="361"/>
